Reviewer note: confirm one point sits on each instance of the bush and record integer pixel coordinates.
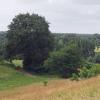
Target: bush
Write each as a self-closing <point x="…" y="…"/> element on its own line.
<point x="87" y="64"/>
<point x="45" y="83"/>
<point x="65" y="61"/>
<point x="97" y="58"/>
<point x="84" y="73"/>
<point x="89" y="72"/>
<point x="75" y="77"/>
<point x="96" y="69"/>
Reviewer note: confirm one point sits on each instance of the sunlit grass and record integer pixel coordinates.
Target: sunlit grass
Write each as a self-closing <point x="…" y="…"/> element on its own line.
<point x="11" y="78"/>
<point x="18" y="63"/>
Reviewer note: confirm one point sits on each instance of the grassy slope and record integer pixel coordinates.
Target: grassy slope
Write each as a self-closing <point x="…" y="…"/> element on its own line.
<point x="10" y="78"/>
<point x="55" y="90"/>
<point x="88" y="89"/>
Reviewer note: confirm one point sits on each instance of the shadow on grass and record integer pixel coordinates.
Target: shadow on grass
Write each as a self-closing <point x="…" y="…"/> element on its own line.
<point x="7" y="64"/>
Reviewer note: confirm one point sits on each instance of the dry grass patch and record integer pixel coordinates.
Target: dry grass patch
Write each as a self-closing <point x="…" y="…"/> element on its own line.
<point x="57" y="90"/>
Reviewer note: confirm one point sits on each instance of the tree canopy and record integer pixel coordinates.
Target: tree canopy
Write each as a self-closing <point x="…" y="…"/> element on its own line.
<point x="29" y="36"/>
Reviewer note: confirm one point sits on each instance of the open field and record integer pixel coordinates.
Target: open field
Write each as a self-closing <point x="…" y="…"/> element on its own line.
<point x="57" y="90"/>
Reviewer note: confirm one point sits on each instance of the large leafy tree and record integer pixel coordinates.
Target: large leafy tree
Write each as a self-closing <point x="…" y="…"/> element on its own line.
<point x="29" y="36"/>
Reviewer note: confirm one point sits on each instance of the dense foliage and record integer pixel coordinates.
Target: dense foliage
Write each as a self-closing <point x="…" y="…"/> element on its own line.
<point x="2" y="45"/>
<point x="29" y="36"/>
<point x="65" y="61"/>
<point x="86" y="43"/>
<point x="87" y="72"/>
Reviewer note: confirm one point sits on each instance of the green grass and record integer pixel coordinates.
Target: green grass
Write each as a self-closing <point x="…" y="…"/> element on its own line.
<point x="10" y="78"/>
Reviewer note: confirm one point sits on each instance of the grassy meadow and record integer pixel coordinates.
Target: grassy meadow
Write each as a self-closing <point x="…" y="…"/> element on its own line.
<point x="10" y="78"/>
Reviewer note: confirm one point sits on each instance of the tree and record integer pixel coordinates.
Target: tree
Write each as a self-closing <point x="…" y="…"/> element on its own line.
<point x="65" y="61"/>
<point x="87" y="47"/>
<point x="85" y="42"/>
<point x="29" y="36"/>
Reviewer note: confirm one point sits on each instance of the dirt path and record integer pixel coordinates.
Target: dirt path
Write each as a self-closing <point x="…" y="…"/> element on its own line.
<point x="41" y="92"/>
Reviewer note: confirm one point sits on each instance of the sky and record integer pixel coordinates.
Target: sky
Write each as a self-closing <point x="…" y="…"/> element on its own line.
<point x="66" y="16"/>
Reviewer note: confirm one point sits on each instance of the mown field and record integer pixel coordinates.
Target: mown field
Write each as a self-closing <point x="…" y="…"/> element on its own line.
<point x="16" y="85"/>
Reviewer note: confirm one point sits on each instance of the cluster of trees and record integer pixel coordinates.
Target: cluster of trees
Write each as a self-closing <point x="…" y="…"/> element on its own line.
<point x="30" y="39"/>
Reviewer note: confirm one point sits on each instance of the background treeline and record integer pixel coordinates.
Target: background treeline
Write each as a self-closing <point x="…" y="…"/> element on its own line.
<point x="86" y="42"/>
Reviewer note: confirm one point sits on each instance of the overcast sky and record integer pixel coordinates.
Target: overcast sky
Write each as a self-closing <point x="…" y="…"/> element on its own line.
<point x="80" y="16"/>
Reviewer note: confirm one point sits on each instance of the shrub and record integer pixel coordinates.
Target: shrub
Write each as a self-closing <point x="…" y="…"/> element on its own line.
<point x="84" y="73"/>
<point x="96" y="69"/>
<point x="89" y="72"/>
<point x="45" y="83"/>
<point x="87" y="64"/>
<point x="75" y="77"/>
<point x="91" y="59"/>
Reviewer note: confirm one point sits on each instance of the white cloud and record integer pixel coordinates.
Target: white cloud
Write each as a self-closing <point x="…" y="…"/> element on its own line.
<point x="88" y="2"/>
<point x="50" y="1"/>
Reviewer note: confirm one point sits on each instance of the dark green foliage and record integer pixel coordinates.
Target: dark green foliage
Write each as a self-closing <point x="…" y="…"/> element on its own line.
<point x="87" y="72"/>
<point x="29" y="36"/>
<point x="65" y="61"/>
<point x="86" y="42"/>
<point x="87" y="64"/>
<point x="97" y="58"/>
<point x="2" y="45"/>
<point x="96" y="39"/>
<point x="87" y="47"/>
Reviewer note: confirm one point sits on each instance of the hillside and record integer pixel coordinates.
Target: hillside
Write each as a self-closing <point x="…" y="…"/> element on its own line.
<point x="11" y="78"/>
<point x="11" y="81"/>
<point x="57" y="90"/>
